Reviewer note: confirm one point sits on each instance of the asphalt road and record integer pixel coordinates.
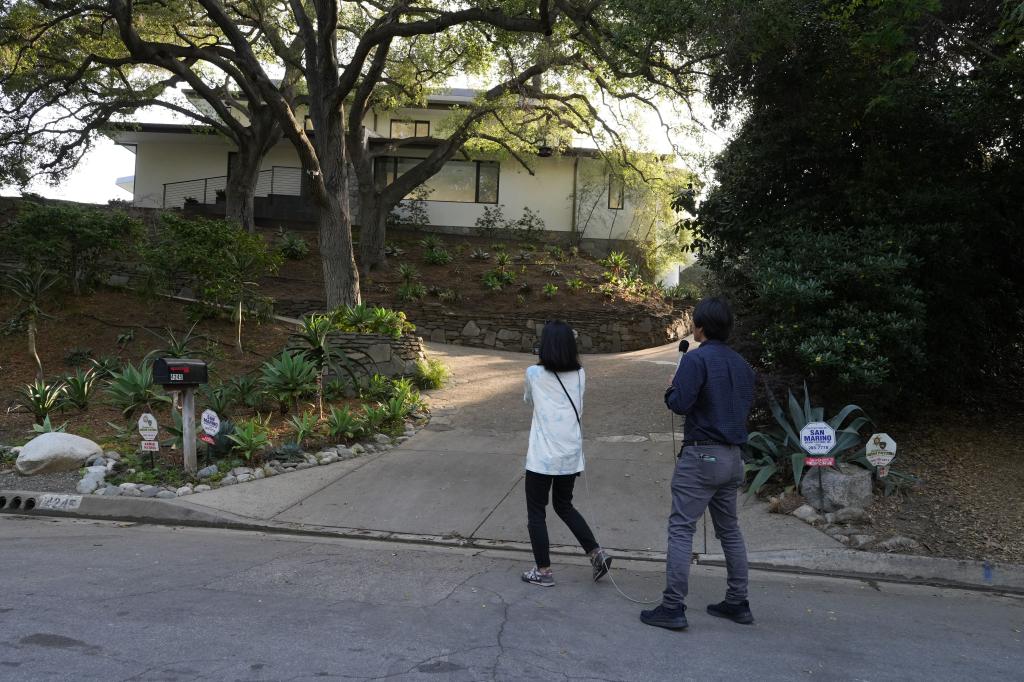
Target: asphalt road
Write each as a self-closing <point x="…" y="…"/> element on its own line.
<point x="83" y="600"/>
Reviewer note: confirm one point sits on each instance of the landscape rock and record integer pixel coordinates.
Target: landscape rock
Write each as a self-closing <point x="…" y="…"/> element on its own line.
<point x="806" y="512"/>
<point x="109" y="491"/>
<point x="259" y="473"/>
<point x="112" y="454"/>
<point x="305" y="465"/>
<point x="149" y="490"/>
<point x="238" y="471"/>
<point x="166" y="495"/>
<point x="228" y="480"/>
<point x="861" y="541"/>
<point x="201" y="488"/>
<point x="96" y="460"/>
<point x="89" y="484"/>
<point x="244" y="478"/>
<point x="381" y="439"/>
<point x="50" y="452"/>
<point x="471" y="330"/>
<point x="851" y="515"/>
<point x="357" y="449"/>
<point x="183" y="490"/>
<point x="206" y="472"/>
<point x="401" y="439"/>
<point x="849" y="486"/>
<point x="898" y="542"/>
<point x="131" y="492"/>
<point x="127" y="486"/>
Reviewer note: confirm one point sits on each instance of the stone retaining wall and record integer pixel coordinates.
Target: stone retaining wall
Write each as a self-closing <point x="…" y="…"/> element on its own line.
<point x="598" y="332"/>
<point x="384" y="354"/>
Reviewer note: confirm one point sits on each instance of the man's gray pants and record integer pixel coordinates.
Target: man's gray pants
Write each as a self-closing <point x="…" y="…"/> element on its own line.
<point x="706" y="477"/>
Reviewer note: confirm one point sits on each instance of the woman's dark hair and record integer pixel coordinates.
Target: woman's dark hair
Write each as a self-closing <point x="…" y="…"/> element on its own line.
<point x="558" y="348"/>
<point x="714" y="316"/>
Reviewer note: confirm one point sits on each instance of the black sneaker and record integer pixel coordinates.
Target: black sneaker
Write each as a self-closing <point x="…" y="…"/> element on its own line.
<point x="737" y="613"/>
<point x="666" y="617"/>
<point x="601" y="562"/>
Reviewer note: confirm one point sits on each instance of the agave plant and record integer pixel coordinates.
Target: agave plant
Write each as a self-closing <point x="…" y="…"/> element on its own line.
<point x="48" y="427"/>
<point x="132" y="389"/>
<point x="288" y="378"/>
<point x="374" y="417"/>
<point x="250" y="437"/>
<point x="357" y="318"/>
<point x="247" y="390"/>
<point x="617" y="262"/>
<point x="177" y="345"/>
<point x="780" y="451"/>
<point x="42" y="397"/>
<point x="219" y="398"/>
<point x="303" y="426"/>
<point x="80" y="388"/>
<point x="343" y="424"/>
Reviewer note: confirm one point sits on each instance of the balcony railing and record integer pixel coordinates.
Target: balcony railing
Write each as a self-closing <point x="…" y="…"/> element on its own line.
<point x="279" y="180"/>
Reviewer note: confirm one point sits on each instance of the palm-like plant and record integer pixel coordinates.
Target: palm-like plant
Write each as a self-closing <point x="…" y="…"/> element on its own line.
<point x="303" y="426"/>
<point x="177" y="345"/>
<point x="41" y="398"/>
<point x="29" y="286"/>
<point x="318" y="340"/>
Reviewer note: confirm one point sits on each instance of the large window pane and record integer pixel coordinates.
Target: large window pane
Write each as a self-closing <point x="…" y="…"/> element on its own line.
<point x="616" y="193"/>
<point x="487" y="190"/>
<point x="456" y="181"/>
<point x="402" y="129"/>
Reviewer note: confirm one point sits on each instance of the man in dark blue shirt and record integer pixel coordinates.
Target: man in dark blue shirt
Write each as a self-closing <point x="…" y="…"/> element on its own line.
<point x="714" y="388"/>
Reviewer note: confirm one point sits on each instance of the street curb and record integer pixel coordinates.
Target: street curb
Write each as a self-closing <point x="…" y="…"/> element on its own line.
<point x="180" y="512"/>
<point x="899" y="568"/>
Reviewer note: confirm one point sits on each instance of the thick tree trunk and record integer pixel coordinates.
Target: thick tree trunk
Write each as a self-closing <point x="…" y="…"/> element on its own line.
<point x="241" y="188"/>
<point x="334" y="220"/>
<point x="372" y="231"/>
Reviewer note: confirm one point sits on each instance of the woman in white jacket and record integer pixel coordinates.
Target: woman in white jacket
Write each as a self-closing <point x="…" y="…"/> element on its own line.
<point x="555" y="458"/>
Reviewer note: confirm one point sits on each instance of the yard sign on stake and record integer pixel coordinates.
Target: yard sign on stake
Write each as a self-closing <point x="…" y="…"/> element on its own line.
<point x="880" y="451"/>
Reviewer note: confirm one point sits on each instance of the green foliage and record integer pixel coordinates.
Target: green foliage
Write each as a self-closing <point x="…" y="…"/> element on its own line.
<point x="342" y="424"/>
<point x="363" y="320"/>
<point x="47" y="426"/>
<point x="408" y="273"/>
<point x="871" y="193"/>
<point x="40" y="398"/>
<point x="617" y="262"/>
<point x="437" y="256"/>
<point x="431" y="373"/>
<point x="491" y="221"/>
<point x="303" y="426"/>
<point x="374" y="417"/>
<point x="288" y="378"/>
<point x="219" y="398"/>
<point x="479" y="254"/>
<point x="219" y="260"/>
<point x="684" y="291"/>
<point x="449" y="296"/>
<point x="412" y="291"/>
<point x="550" y="290"/>
<point x="291" y="245"/>
<point x="411" y="213"/>
<point x="318" y="340"/>
<point x="132" y="390"/>
<point x="77" y="356"/>
<point x="177" y="345"/>
<point x="574" y="285"/>
<point x="250" y="437"/>
<point x="247" y="390"/>
<point x="431" y="242"/>
<point x="778" y="451"/>
<point x="528" y="226"/>
<point x="289" y="452"/>
<point x="377" y="389"/>
<point x="81" y="386"/>
<point x="105" y="367"/>
<point x="80" y="243"/>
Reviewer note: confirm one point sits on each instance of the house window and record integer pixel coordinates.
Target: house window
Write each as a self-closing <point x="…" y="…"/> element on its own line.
<point x="404" y="129"/>
<point x="616" y="193"/>
<point x="458" y="181"/>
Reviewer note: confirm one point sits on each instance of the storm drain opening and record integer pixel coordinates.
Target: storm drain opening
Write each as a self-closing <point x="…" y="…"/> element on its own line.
<point x="15" y="503"/>
<point x="3" y="501"/>
<point x="30" y="504"/>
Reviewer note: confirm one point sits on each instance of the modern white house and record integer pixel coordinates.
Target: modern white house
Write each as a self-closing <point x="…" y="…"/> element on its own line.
<point x="571" y="191"/>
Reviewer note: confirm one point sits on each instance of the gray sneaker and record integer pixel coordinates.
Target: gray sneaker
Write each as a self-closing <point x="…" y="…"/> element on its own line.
<point x="601" y="563"/>
<point x="535" y="577"/>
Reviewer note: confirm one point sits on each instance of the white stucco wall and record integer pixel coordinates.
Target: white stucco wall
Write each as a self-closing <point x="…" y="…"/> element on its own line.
<point x="173" y="157"/>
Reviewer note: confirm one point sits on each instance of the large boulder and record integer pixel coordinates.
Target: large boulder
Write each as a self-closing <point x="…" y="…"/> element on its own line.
<point x="849" y="486"/>
<point x="51" y="452"/>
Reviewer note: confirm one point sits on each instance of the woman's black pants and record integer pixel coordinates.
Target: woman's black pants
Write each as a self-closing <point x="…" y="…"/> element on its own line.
<point x="537" y="486"/>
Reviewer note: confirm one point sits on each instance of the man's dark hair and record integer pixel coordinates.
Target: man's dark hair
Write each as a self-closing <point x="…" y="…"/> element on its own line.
<point x="558" y="348"/>
<point x="714" y="316"/>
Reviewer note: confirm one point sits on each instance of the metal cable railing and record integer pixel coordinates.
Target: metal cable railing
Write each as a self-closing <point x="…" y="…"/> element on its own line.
<point x="280" y="180"/>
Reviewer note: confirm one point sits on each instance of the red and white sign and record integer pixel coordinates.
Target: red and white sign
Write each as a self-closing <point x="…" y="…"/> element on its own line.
<point x="820" y="461"/>
<point x="207" y="438"/>
<point x="150" y="446"/>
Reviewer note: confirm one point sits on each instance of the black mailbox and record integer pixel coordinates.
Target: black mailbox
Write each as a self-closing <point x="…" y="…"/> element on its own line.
<point x="179" y="372"/>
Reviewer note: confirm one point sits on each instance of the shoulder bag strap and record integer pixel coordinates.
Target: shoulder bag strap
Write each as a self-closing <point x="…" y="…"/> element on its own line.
<point x="575" y="411"/>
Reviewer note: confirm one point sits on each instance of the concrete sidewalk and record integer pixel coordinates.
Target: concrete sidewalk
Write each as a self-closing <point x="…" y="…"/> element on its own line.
<point x="462" y="475"/>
